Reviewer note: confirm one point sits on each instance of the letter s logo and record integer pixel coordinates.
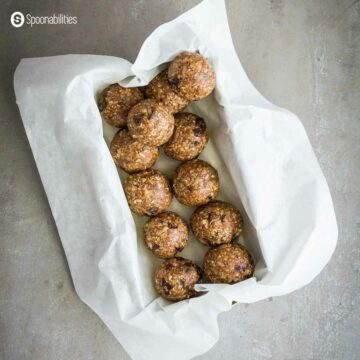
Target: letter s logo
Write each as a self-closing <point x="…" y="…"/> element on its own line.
<point x="17" y="19"/>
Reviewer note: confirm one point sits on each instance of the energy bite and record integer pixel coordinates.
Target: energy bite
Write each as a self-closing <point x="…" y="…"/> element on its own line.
<point x="189" y="138"/>
<point x="216" y="223"/>
<point x="148" y="192"/>
<point x="166" y="234"/>
<point x="131" y="155"/>
<point x="161" y="90"/>
<point x="192" y="75"/>
<point x="150" y="122"/>
<point x="195" y="183"/>
<point x="116" y="101"/>
<point x="175" y="279"/>
<point x="228" y="263"/>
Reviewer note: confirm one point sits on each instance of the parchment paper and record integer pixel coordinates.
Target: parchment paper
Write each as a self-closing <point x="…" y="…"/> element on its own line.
<point x="266" y="164"/>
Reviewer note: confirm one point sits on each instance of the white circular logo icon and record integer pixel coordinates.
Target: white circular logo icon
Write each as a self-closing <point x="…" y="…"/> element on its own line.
<point x="17" y="19"/>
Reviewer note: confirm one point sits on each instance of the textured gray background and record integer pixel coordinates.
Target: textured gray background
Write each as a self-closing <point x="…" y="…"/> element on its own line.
<point x="302" y="55"/>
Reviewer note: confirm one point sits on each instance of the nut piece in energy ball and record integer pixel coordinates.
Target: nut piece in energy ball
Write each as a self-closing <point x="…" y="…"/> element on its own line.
<point x="166" y="234"/>
<point x="116" y="101"/>
<point x="189" y="138"/>
<point x="216" y="223"/>
<point x="131" y="155"/>
<point x="160" y="90"/>
<point x="175" y="279"/>
<point x="150" y="122"/>
<point x="228" y="263"/>
<point x="148" y="192"/>
<point x="192" y="75"/>
<point x="195" y="183"/>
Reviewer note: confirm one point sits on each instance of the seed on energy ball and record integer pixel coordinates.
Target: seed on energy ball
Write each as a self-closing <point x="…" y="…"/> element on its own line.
<point x="150" y="122"/>
<point x="148" y="192"/>
<point x="161" y="90"/>
<point x="228" y="263"/>
<point x="116" y="101"/>
<point x="166" y="234"/>
<point x="192" y="75"/>
<point x="189" y="138"/>
<point x="175" y="279"/>
<point x="216" y="223"/>
<point x="131" y="155"/>
<point x="195" y="182"/>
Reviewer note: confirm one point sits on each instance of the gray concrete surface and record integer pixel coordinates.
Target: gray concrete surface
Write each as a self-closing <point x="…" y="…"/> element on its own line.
<point x="302" y="55"/>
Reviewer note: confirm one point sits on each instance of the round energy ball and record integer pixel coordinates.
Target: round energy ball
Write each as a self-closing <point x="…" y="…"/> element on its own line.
<point x="195" y="182"/>
<point x="228" y="263"/>
<point x="150" y="122"/>
<point x="116" y="101"/>
<point x="175" y="279"/>
<point x="216" y="223"/>
<point x="148" y="192"/>
<point x="161" y="90"/>
<point x="131" y="155"/>
<point x="192" y="75"/>
<point x="166" y="234"/>
<point x="189" y="138"/>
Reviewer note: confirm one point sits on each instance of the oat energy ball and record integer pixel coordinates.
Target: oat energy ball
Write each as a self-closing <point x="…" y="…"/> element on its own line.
<point x="195" y="183"/>
<point x="131" y="155"/>
<point x="228" y="263"/>
<point x="166" y="234"/>
<point x="150" y="122"/>
<point x="161" y="90"/>
<point x="216" y="223"/>
<point x="189" y="138"/>
<point x="175" y="279"/>
<point x="192" y="75"/>
<point x="148" y="192"/>
<point x="116" y="101"/>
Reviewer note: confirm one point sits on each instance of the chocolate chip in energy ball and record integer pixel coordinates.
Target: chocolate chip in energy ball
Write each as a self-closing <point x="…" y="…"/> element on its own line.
<point x="150" y="122"/>
<point x="228" y="263"/>
<point x="216" y="223"/>
<point x="131" y="155"/>
<point x="166" y="234"/>
<point x="189" y="138"/>
<point x="115" y="102"/>
<point x="161" y="90"/>
<point x="192" y="75"/>
<point x="148" y="192"/>
<point x="195" y="182"/>
<point x="175" y="279"/>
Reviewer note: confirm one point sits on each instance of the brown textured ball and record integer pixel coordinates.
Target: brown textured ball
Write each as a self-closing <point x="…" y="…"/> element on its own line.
<point x="216" y="223"/>
<point x="175" y="279"/>
<point x="161" y="90"/>
<point x="192" y="75"/>
<point x="150" y="122"/>
<point x="131" y="155"/>
<point x="148" y="192"/>
<point x="195" y="183"/>
<point x="166" y="234"/>
<point x="116" y="101"/>
<point x="189" y="138"/>
<point x="228" y="263"/>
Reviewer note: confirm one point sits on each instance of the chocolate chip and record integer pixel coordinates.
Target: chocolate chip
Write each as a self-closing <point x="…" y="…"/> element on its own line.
<point x="171" y="225"/>
<point x="138" y="119"/>
<point x="179" y="248"/>
<point x="167" y="266"/>
<point x="154" y="246"/>
<point x="101" y="105"/>
<point x="195" y="143"/>
<point x="239" y="267"/>
<point x="190" y="188"/>
<point x="211" y="216"/>
<point x="153" y="210"/>
<point x="222" y="217"/>
<point x="200" y="129"/>
<point x="166" y="286"/>
<point x="174" y="81"/>
<point x="182" y="283"/>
